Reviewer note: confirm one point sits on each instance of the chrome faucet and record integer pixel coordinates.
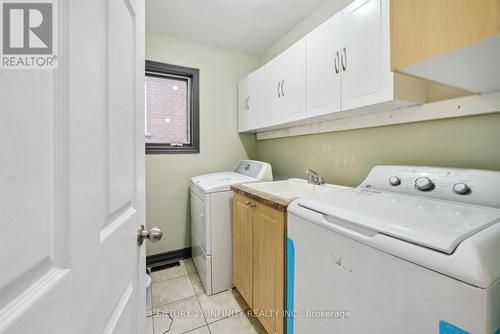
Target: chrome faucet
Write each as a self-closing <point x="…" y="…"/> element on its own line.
<point x="314" y="178"/>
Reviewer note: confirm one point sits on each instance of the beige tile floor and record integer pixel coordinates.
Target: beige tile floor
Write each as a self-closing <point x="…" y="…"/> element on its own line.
<point x="180" y="305"/>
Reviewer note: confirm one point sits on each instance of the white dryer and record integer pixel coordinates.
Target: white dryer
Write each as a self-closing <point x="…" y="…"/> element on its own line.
<point x="412" y="250"/>
<point x="211" y="239"/>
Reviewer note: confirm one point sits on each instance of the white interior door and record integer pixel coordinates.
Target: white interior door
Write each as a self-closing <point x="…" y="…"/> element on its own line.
<point x="293" y="84"/>
<point x="324" y="68"/>
<point x="366" y="76"/>
<point x="72" y="179"/>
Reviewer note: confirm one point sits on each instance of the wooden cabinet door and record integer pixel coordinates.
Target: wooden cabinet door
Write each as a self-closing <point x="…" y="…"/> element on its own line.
<point x="293" y="82"/>
<point x="243" y="247"/>
<point x="323" y="68"/>
<point x="366" y="75"/>
<point x="269" y="267"/>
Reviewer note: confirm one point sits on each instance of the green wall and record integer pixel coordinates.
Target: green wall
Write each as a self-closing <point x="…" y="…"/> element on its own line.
<point x="168" y="175"/>
<point x="346" y="157"/>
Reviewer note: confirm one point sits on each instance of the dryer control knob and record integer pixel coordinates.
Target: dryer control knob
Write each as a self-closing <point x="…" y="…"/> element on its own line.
<point x="461" y="188"/>
<point x="424" y="184"/>
<point x="395" y="181"/>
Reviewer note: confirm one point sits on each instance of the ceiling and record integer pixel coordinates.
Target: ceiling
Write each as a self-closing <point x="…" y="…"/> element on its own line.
<point x="248" y="26"/>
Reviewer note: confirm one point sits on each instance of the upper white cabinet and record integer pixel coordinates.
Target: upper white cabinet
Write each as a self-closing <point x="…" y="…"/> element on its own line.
<point x="254" y="98"/>
<point x="283" y="82"/>
<point x="341" y="66"/>
<point x="248" y="102"/>
<point x="275" y="93"/>
<point x="348" y="64"/>
<point x="243" y="105"/>
<point x="270" y="111"/>
<point x="323" y="68"/>
<point x="365" y="55"/>
<point x="292" y="70"/>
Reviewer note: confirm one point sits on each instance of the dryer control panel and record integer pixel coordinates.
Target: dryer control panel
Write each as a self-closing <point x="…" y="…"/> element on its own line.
<point x="472" y="186"/>
<point x="260" y="170"/>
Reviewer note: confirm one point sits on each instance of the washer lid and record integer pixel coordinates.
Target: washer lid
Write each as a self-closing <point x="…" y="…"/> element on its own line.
<point x="220" y="181"/>
<point x="435" y="224"/>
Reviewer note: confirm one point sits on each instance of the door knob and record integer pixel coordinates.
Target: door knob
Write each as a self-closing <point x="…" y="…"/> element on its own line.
<point x="153" y="234"/>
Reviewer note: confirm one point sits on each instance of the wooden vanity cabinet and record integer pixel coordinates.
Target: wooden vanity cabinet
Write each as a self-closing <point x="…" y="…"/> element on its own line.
<point x="259" y="259"/>
<point x="243" y="247"/>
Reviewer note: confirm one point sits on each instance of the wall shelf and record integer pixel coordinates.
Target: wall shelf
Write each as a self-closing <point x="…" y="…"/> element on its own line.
<point x="459" y="107"/>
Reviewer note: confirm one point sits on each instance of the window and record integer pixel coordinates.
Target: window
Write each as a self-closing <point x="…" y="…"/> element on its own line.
<point x="172" y="109"/>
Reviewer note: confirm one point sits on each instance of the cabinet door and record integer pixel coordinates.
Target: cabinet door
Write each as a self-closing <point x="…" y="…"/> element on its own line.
<point x="243" y="247"/>
<point x="269" y="97"/>
<point x="243" y="105"/>
<point x="366" y="76"/>
<point x="269" y="266"/>
<point x="258" y="98"/>
<point x="323" y="68"/>
<point x="293" y="82"/>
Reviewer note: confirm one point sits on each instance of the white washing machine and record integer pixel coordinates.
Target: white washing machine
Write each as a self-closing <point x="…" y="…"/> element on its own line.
<point x="211" y="206"/>
<point x="412" y="250"/>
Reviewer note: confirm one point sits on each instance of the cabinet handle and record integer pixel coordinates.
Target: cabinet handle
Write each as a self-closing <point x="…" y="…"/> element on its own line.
<point x="282" y="87"/>
<point x="279" y="83"/>
<point x="336" y="62"/>
<point x="343" y="59"/>
<point x="248" y="102"/>
<point x="246" y="99"/>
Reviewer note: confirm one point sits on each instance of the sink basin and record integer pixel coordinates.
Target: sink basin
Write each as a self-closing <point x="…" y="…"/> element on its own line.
<point x="292" y="188"/>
